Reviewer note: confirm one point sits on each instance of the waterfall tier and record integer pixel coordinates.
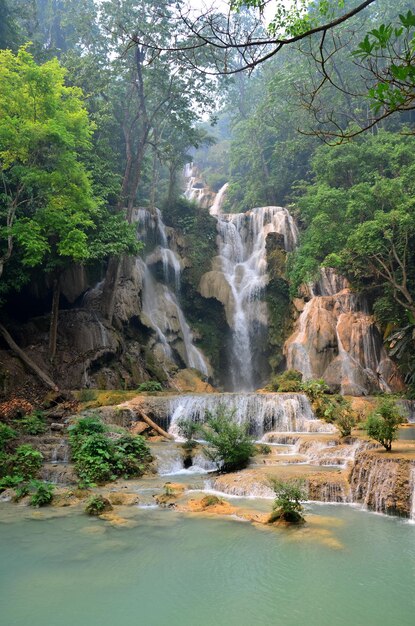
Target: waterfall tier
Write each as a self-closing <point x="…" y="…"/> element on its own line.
<point x="263" y="412"/>
<point x="238" y="279"/>
<point x="161" y="310"/>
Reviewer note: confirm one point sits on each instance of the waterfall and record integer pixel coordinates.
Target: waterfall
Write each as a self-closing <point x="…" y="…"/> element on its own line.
<point x="264" y="413"/>
<point x="239" y="277"/>
<point x="337" y="339"/>
<point x="161" y="309"/>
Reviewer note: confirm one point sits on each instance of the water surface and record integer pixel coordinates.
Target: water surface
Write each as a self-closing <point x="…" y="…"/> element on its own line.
<point x="348" y="567"/>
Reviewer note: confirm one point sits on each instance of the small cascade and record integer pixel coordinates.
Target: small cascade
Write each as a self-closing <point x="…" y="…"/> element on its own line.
<point x="336" y="339"/>
<point x="328" y="491"/>
<point x="161" y="309"/>
<point x="170" y="461"/>
<point x="238" y="279"/>
<point x="263" y="412"/>
<point x="60" y="453"/>
<point x="327" y="453"/>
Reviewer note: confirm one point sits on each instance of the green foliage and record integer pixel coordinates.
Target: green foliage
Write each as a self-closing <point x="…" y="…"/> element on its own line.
<point x="33" y="424"/>
<point x="290" y="380"/>
<point x="263" y="448"/>
<point x="43" y="493"/>
<point x="10" y="481"/>
<point x="287" y="505"/>
<point x="150" y="385"/>
<point x="97" y="505"/>
<point x="7" y="435"/>
<point x="26" y="461"/>
<point x="132" y="455"/>
<point x="188" y="429"/>
<point x="229" y="443"/>
<point x="211" y="500"/>
<point x="315" y="389"/>
<point x="383" y="423"/>
<point x="99" y="459"/>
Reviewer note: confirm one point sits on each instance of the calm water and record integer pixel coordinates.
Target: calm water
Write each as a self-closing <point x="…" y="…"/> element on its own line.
<point x="407" y="433"/>
<point x="347" y="567"/>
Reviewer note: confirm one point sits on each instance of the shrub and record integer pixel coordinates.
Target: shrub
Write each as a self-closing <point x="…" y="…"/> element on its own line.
<point x="10" y="482"/>
<point x="345" y="418"/>
<point x="150" y="385"/>
<point x="26" y="461"/>
<point x="287" y="381"/>
<point x="315" y="389"/>
<point x="132" y="455"/>
<point x="98" y="505"/>
<point x="7" y="434"/>
<point x="383" y="423"/>
<point x="93" y="457"/>
<point x="188" y="429"/>
<point x="86" y="426"/>
<point x="43" y="494"/>
<point x="33" y="424"/>
<point x="21" y="491"/>
<point x="98" y="459"/>
<point x="229" y="444"/>
<point x="287" y="505"/>
<point x="263" y="448"/>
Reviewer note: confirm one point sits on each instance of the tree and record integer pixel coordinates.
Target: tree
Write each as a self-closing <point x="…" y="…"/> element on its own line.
<point x="152" y="98"/>
<point x="229" y="443"/>
<point x="49" y="212"/>
<point x="287" y="505"/>
<point x="383" y="423"/>
<point x="325" y="32"/>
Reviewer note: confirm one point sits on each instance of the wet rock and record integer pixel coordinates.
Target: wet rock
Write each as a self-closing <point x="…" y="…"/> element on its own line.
<point x="120" y="498"/>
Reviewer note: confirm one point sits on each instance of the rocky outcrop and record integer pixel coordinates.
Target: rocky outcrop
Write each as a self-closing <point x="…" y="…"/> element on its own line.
<point x="337" y="339"/>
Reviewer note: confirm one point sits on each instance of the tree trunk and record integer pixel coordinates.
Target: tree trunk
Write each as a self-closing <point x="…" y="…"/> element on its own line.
<point x="153" y="425"/>
<point x="110" y="285"/>
<point x="54" y="316"/>
<point x="27" y="360"/>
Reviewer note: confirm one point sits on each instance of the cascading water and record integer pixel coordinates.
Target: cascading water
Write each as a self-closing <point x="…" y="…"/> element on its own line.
<point x="238" y="279"/>
<point x="263" y="412"/>
<point x="160" y="305"/>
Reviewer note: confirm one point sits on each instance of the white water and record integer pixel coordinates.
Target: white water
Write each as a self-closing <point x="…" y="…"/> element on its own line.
<point x="160" y="304"/>
<point x="263" y="412"/>
<point x="242" y="261"/>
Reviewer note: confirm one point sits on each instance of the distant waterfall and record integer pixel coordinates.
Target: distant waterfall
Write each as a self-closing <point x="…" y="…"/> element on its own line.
<point x="242" y="264"/>
<point x="160" y="304"/>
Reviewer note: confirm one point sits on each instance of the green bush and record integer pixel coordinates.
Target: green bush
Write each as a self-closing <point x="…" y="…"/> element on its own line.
<point x="150" y="385"/>
<point x="7" y="435"/>
<point x="132" y="455"/>
<point x="383" y="423"/>
<point x="10" y="482"/>
<point x="263" y="448"/>
<point x="26" y="462"/>
<point x="345" y="418"/>
<point x="33" y="424"/>
<point x="188" y="429"/>
<point x="42" y="495"/>
<point x="289" y="381"/>
<point x="97" y="505"/>
<point x="315" y="389"/>
<point x="287" y="505"/>
<point x="98" y="459"/>
<point x="229" y="444"/>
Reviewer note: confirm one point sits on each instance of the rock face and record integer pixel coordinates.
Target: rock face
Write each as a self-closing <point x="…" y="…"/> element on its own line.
<point x="337" y="339"/>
